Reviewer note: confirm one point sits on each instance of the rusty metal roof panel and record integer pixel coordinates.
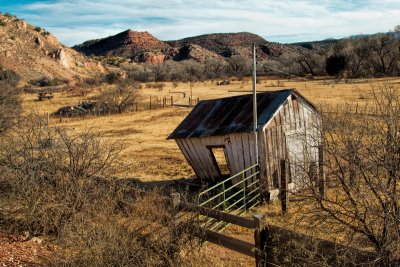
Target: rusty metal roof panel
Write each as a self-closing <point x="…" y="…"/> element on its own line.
<point x="230" y="115"/>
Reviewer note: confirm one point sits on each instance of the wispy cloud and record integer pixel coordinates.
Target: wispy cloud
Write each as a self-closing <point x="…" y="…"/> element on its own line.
<point x="75" y="21"/>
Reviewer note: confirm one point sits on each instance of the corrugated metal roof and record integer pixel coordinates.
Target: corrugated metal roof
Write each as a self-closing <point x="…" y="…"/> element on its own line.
<point x="230" y="115"/>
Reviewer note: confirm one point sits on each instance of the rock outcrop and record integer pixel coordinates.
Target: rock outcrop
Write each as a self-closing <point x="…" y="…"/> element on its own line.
<point x="144" y="47"/>
<point x="34" y="53"/>
<point x="139" y="46"/>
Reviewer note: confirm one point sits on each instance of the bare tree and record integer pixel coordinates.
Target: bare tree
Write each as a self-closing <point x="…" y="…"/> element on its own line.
<point x="386" y="53"/>
<point x="363" y="166"/>
<point x="311" y="63"/>
<point x="239" y="65"/>
<point x="214" y="68"/>
<point x="193" y="70"/>
<point x="360" y="53"/>
<point x="120" y="98"/>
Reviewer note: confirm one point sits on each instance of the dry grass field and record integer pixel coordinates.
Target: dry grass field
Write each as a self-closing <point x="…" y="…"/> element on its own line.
<point x="149" y="157"/>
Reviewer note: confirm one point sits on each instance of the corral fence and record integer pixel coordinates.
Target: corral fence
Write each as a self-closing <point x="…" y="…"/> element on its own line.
<point x="271" y="243"/>
<point x="221" y="204"/>
<point x="81" y="111"/>
<point x="234" y="195"/>
<point x="259" y="249"/>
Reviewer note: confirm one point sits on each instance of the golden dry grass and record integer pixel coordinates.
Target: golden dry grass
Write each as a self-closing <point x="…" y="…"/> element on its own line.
<point x="148" y="156"/>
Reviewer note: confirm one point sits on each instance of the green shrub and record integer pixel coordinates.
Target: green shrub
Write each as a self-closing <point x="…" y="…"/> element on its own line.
<point x="38" y="29"/>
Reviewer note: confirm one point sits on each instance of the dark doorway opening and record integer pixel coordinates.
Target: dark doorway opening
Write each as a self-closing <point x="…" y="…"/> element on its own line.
<point x="220" y="160"/>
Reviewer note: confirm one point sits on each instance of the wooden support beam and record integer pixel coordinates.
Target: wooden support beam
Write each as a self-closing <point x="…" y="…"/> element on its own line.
<point x="228" y="242"/>
<point x="261" y="239"/>
<point x="219" y="215"/>
<point x="321" y="172"/>
<point x="284" y="187"/>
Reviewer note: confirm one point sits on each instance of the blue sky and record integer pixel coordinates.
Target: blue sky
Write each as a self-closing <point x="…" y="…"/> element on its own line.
<point x="75" y="21"/>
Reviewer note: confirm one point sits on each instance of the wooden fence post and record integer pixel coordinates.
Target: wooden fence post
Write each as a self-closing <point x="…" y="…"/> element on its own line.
<point x="264" y="194"/>
<point x="190" y="101"/>
<point x="321" y="172"/>
<point x="172" y="101"/>
<point x="261" y="240"/>
<point x="47" y="118"/>
<point x="284" y="187"/>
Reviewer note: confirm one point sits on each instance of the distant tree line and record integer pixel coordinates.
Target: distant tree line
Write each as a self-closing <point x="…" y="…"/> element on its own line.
<point x="373" y="56"/>
<point x="189" y="70"/>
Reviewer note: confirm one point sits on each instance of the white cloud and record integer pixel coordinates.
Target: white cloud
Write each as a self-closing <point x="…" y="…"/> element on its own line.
<point x="74" y="21"/>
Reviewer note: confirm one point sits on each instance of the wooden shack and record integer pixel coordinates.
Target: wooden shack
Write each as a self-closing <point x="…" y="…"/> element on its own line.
<point x="288" y="129"/>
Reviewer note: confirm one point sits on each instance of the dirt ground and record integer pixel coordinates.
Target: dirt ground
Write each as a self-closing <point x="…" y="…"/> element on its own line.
<point x="18" y="251"/>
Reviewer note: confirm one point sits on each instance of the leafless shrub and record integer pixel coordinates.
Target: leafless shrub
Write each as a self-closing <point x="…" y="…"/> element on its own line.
<point x="157" y="85"/>
<point x="120" y="98"/>
<point x="239" y="66"/>
<point x="52" y="174"/>
<point x="61" y="185"/>
<point x="363" y="167"/>
<point x="144" y="232"/>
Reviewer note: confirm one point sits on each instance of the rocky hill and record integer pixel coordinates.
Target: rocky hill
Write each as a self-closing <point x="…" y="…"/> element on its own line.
<point x="127" y="44"/>
<point x="224" y="44"/>
<point x="143" y="47"/>
<point x="130" y="44"/>
<point x="33" y="53"/>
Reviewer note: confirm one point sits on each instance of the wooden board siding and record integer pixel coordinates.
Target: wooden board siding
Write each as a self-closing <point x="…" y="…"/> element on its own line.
<point x="198" y="171"/>
<point x="294" y="115"/>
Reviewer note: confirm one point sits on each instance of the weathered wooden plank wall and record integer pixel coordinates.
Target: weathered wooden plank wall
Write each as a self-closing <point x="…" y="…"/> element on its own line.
<point x="294" y="116"/>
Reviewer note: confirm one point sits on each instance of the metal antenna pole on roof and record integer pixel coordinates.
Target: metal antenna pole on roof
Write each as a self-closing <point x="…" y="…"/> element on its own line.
<point x="255" y="100"/>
